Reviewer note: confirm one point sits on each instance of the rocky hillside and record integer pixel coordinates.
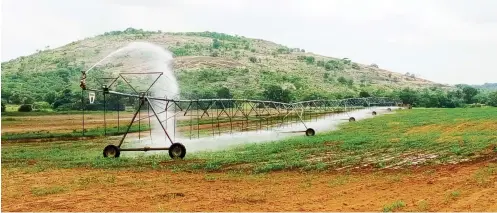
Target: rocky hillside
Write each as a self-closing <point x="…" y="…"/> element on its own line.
<point x="203" y="63"/>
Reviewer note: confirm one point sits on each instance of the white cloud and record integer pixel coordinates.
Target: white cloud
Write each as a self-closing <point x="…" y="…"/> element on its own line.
<point x="443" y="40"/>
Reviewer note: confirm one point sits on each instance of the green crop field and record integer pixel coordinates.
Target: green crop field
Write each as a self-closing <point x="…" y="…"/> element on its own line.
<point x="407" y="137"/>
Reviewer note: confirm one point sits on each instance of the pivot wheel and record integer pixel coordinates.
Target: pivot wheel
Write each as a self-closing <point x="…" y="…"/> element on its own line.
<point x="177" y="150"/>
<point x="310" y="132"/>
<point x="374" y="113"/>
<point x="351" y="119"/>
<point x="112" y="151"/>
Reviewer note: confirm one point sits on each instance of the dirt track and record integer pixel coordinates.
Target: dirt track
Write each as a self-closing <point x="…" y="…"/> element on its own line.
<point x="466" y="187"/>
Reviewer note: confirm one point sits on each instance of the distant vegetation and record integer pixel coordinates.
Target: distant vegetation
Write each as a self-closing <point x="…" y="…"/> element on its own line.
<point x="232" y="66"/>
<point x="462" y="96"/>
<point x="487" y="86"/>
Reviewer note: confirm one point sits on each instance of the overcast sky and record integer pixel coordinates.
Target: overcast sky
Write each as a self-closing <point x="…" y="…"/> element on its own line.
<point x="447" y="41"/>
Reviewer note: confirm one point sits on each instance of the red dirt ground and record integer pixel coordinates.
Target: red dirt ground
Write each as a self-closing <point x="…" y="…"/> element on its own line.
<point x="463" y="187"/>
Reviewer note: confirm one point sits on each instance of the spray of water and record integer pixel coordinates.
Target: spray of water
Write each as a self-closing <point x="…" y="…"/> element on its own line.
<point x="322" y="125"/>
<point x="151" y="68"/>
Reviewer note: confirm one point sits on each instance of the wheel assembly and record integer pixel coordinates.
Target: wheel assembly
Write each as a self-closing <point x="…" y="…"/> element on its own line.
<point x="374" y="113"/>
<point x="351" y="119"/>
<point x="310" y="132"/>
<point x="112" y="151"/>
<point x="177" y="150"/>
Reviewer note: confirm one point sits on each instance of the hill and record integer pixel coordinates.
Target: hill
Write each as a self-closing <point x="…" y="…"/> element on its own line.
<point x="204" y="62"/>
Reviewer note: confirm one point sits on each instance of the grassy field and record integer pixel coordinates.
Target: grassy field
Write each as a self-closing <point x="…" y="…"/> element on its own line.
<point x="419" y="136"/>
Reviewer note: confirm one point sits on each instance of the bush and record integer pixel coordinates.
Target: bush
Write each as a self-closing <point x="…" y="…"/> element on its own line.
<point x="3" y="107"/>
<point x="25" y="108"/>
<point x="180" y="51"/>
<point x="342" y="80"/>
<point x="215" y="54"/>
<point x="42" y="105"/>
<point x="216" y="44"/>
<point x="334" y="65"/>
<point x="346" y="61"/>
<point x="364" y="94"/>
<point x="283" y="50"/>
<point x="356" y="66"/>
<point x="253" y="59"/>
<point x="310" y="59"/>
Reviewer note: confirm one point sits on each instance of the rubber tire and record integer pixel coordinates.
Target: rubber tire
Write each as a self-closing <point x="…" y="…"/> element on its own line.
<point x="310" y="132"/>
<point x="111" y="148"/>
<point x="374" y="113"/>
<point x="175" y="146"/>
<point x="351" y="119"/>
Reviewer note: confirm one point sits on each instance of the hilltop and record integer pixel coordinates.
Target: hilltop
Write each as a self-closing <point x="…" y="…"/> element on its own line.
<point x="203" y="63"/>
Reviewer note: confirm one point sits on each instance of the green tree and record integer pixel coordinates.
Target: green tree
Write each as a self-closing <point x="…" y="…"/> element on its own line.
<point x="50" y="97"/>
<point x="224" y="93"/>
<point x="276" y="93"/>
<point x="492" y="99"/>
<point x="469" y="94"/>
<point x="408" y="96"/>
<point x="364" y="94"/>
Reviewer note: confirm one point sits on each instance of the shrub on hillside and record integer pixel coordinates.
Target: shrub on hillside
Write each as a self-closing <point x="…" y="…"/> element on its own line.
<point x="310" y="59"/>
<point x="216" y="44"/>
<point x="25" y="108"/>
<point x="342" y="80"/>
<point x="356" y="66"/>
<point x="283" y="50"/>
<point x="346" y="61"/>
<point x="334" y="65"/>
<point x="252" y="59"/>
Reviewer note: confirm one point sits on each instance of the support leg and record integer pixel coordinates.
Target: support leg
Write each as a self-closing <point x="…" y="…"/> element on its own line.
<point x="131" y="123"/>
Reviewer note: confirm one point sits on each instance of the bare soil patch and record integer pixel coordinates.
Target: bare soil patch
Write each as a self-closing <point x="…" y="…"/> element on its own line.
<point x="462" y="187"/>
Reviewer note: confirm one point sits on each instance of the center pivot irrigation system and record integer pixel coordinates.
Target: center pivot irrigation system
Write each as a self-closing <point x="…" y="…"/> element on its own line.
<point x="203" y="117"/>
